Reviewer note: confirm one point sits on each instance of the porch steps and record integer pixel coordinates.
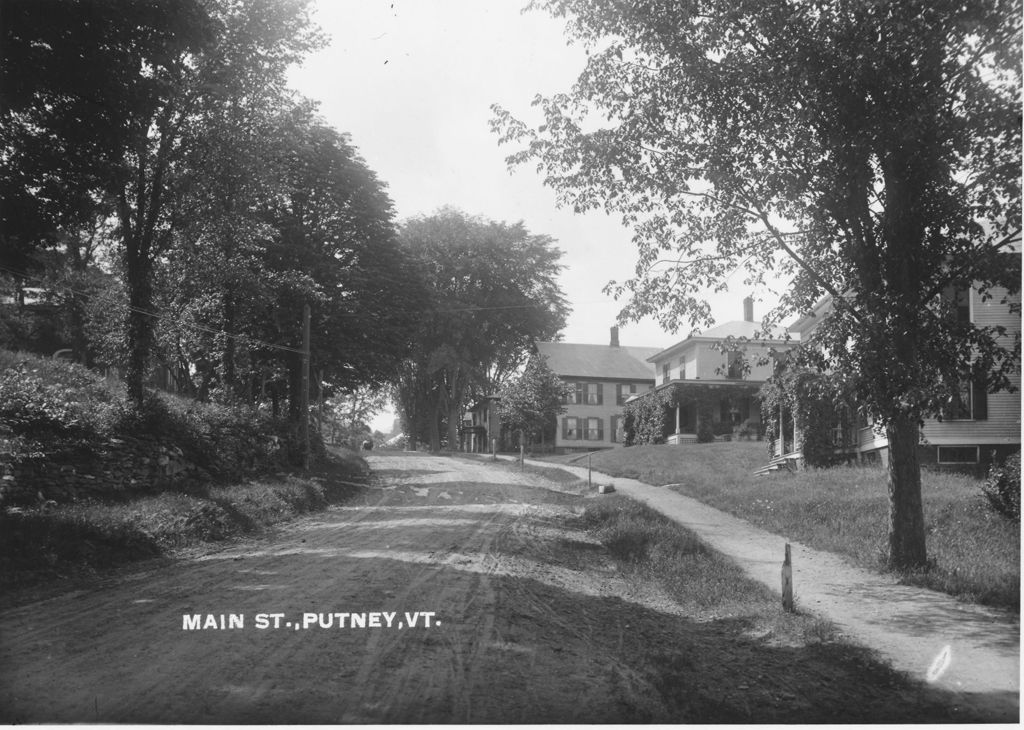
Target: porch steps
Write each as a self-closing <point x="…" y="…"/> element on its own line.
<point x="788" y="463"/>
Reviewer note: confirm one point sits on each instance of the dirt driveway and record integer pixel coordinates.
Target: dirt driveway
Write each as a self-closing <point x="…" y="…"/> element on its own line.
<point x="455" y="591"/>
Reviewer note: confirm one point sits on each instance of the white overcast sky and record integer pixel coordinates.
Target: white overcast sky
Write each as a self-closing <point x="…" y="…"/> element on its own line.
<point x="412" y="82"/>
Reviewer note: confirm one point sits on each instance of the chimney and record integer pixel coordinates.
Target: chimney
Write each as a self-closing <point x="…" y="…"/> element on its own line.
<point x="615" y="336"/>
<point x="748" y="309"/>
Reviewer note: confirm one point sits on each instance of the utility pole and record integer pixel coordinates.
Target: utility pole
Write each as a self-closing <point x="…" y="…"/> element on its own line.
<point x="304" y="401"/>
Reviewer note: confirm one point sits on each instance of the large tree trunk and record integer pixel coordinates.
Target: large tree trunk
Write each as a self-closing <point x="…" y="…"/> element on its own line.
<point x="906" y="513"/>
<point x="434" y="427"/>
<point x="139" y="325"/>
<point x="454" y="421"/>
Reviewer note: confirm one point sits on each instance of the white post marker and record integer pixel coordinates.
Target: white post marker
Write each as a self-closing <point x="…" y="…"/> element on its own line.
<point x="787" y="581"/>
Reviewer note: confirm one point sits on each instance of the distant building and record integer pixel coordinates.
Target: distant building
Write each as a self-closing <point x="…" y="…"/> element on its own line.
<point x="714" y="378"/>
<point x="976" y="425"/>
<point x="482" y="424"/>
<point x="602" y="378"/>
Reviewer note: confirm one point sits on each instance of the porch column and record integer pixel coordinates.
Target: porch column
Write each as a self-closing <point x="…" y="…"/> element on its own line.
<point x="677" y="417"/>
<point x="780" y="442"/>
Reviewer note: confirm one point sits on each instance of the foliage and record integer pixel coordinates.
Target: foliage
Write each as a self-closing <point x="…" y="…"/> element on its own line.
<point x="162" y="81"/>
<point x="650" y="419"/>
<point x="820" y="403"/>
<point x="705" y="429"/>
<point x="347" y="414"/>
<point x="166" y="134"/>
<point x="1002" y="487"/>
<point x="47" y="405"/>
<point x="646" y="420"/>
<point x="43" y="400"/>
<point x="532" y="401"/>
<point x="492" y="291"/>
<point x="318" y="230"/>
<point x="870" y="152"/>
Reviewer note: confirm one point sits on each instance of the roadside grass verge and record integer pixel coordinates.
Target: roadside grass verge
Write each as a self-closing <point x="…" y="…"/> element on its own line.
<point x="85" y="538"/>
<point x="650" y="547"/>
<point x="974" y="553"/>
<point x="565" y="480"/>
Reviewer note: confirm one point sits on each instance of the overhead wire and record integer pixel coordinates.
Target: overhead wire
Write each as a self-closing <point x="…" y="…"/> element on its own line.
<point x="246" y="338"/>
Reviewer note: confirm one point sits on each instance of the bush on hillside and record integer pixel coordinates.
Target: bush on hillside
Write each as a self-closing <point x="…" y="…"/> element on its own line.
<point x="1002" y="487"/>
<point x="52" y="405"/>
<point x="42" y="399"/>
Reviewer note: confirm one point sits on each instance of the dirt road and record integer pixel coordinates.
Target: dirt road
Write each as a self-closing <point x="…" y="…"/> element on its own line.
<point x="454" y="591"/>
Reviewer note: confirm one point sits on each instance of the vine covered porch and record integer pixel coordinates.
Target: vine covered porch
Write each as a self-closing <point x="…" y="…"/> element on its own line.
<point x="691" y="411"/>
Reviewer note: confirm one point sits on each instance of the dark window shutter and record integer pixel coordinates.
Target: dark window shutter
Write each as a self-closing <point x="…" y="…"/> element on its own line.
<point x="565" y="429"/>
<point x="600" y="394"/>
<point x="600" y="429"/>
<point x="979" y="398"/>
<point x="580" y="390"/>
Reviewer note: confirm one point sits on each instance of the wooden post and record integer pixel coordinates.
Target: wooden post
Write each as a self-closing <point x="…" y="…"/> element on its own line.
<point x="787" y="581"/>
<point x="589" y="470"/>
<point x="304" y="399"/>
<point x="494" y="448"/>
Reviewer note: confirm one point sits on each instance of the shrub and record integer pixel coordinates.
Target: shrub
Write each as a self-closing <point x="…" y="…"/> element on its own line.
<point x="1002" y="487"/>
<point x="51" y="406"/>
<point x="44" y="399"/>
<point x="705" y="432"/>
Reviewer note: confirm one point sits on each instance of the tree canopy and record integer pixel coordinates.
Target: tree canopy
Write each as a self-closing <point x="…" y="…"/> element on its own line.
<point x="492" y="290"/>
<point x="866" y="151"/>
<point x="532" y="401"/>
<point x="181" y="203"/>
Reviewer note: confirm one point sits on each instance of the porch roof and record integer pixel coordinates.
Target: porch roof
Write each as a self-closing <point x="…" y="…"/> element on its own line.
<point x="741" y="387"/>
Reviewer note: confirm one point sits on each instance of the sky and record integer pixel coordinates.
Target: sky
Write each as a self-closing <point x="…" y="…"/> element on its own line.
<point x="413" y="81"/>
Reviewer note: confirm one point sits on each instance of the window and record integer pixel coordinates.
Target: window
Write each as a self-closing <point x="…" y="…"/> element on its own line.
<point x="570" y="429"/>
<point x="665" y="372"/>
<point x="735" y="365"/>
<point x="968" y="402"/>
<point x="957" y="454"/>
<point x="595" y="432"/>
<point x="584" y="394"/>
<point x="960" y="299"/>
<point x="623" y="391"/>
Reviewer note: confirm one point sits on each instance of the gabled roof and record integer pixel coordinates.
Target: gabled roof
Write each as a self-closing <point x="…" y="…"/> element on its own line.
<point x="598" y="361"/>
<point x="736" y="329"/>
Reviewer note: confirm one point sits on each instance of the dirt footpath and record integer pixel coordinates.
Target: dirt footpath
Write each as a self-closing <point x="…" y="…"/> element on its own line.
<point x="453" y="591"/>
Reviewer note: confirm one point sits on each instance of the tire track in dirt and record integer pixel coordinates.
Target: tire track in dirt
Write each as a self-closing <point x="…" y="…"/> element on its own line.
<point x="537" y="625"/>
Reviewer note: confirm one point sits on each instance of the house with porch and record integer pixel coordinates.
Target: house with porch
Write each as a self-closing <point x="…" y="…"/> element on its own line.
<point x="481" y="426"/>
<point x="708" y="383"/>
<point x="977" y="425"/>
<point x="601" y="379"/>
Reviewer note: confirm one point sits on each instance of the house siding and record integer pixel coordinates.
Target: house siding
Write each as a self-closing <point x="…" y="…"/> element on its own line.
<point x="608" y="409"/>
<point x="704" y="362"/>
<point x="1000" y="427"/>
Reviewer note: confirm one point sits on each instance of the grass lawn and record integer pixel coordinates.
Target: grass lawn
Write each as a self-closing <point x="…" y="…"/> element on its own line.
<point x="974" y="552"/>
